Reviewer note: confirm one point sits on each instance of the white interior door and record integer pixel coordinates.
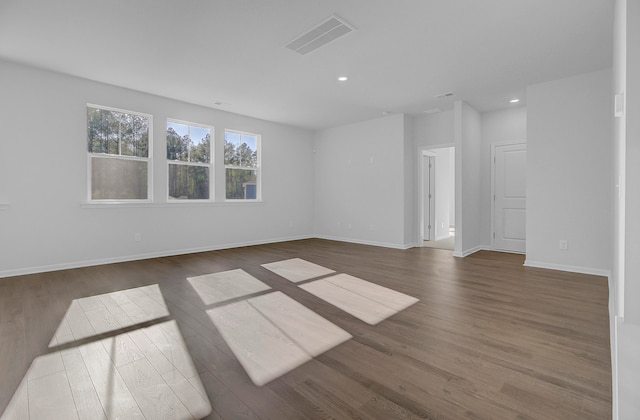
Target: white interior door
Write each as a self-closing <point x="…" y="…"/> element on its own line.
<point x="510" y="197"/>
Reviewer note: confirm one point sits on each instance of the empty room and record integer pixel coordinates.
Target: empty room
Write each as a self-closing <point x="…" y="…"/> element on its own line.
<point x="278" y="209"/>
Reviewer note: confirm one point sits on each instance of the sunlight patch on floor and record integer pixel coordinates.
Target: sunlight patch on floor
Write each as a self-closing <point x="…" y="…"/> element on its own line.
<point x="273" y="334"/>
<point x="226" y="285"/>
<point x="366" y="301"/>
<point x="133" y="373"/>
<point x="297" y="269"/>
<point x="93" y="315"/>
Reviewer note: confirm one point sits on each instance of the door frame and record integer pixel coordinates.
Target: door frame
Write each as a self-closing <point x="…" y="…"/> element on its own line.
<point x="493" y="187"/>
<point x="420" y="154"/>
<point x="430" y="169"/>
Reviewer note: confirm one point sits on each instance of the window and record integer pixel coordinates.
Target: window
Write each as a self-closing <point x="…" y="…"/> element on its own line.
<point x="189" y="156"/>
<point x="242" y="165"/>
<point x="118" y="146"/>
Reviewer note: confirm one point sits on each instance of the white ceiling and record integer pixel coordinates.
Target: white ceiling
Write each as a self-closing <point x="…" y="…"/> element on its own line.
<point x="403" y="53"/>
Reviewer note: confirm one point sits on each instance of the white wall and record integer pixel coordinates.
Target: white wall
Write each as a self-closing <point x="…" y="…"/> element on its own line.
<point x="443" y="191"/>
<point x="429" y="131"/>
<point x="433" y="129"/>
<point x="626" y="273"/>
<point x="498" y="127"/>
<point x="411" y="235"/>
<point x="43" y="179"/>
<point x="468" y="141"/>
<point x="480" y="132"/>
<point x="461" y="127"/>
<point x="632" y="167"/>
<point x="360" y="182"/>
<point x="569" y="173"/>
<point x="619" y="150"/>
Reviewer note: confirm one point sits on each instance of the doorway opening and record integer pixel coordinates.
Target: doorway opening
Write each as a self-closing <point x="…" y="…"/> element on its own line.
<point x="437" y="227"/>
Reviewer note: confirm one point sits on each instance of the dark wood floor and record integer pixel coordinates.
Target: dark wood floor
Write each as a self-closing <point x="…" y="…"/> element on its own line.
<point x="489" y="339"/>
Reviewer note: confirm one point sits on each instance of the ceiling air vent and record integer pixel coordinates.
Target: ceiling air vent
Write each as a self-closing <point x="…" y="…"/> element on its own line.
<point x="445" y="95"/>
<point x="329" y="30"/>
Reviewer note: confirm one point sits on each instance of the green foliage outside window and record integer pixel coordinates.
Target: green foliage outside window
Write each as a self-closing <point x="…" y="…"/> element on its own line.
<point x="241" y="165"/>
<point x="117" y="133"/>
<point x="118" y="143"/>
<point x="190" y="148"/>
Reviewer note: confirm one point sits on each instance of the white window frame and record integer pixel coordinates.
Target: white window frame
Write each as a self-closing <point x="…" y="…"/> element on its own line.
<point x="209" y="165"/>
<point x="258" y="168"/>
<point x="148" y="159"/>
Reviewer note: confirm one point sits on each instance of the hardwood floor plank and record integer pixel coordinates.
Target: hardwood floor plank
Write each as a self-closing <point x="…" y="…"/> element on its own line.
<point x="332" y="405"/>
<point x="488" y="339"/>
<point x="50" y="397"/>
<point x="223" y="401"/>
<point x="349" y="390"/>
<point x="301" y="404"/>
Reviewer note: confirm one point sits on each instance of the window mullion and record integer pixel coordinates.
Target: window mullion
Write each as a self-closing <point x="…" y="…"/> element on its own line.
<point x="122" y="157"/>
<point x="188" y="143"/>
<point x="119" y="137"/>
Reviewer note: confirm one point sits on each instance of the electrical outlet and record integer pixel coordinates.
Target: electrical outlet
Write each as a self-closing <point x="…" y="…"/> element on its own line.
<point x="137" y="237"/>
<point x="563" y="244"/>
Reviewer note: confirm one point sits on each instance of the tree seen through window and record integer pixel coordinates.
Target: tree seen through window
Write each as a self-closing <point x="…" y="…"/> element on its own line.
<point x="118" y="146"/>
<point x="241" y="165"/>
<point x="189" y="156"/>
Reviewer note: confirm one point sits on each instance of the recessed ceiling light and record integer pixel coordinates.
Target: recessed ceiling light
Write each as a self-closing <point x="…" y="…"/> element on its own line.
<point x="515" y="101"/>
<point x="342" y="78"/>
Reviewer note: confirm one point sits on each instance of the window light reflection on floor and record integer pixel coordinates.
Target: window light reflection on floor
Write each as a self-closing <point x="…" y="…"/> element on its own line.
<point x="133" y="373"/>
<point x="93" y="315"/>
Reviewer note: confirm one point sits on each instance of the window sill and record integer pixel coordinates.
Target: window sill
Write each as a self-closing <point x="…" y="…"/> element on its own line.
<point x="176" y="203"/>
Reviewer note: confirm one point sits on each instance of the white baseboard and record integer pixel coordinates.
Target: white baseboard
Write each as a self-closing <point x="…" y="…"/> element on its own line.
<point x="613" y="333"/>
<point x="169" y="253"/>
<point x="470" y="251"/>
<point x="614" y="321"/>
<point x="136" y="257"/>
<point x="365" y="242"/>
<point x="570" y="268"/>
<point x="505" y="251"/>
